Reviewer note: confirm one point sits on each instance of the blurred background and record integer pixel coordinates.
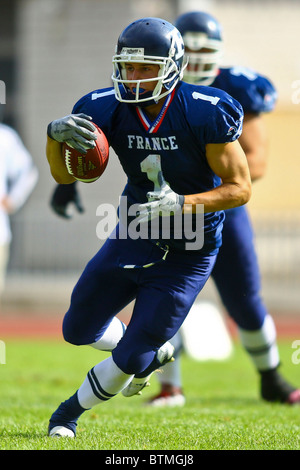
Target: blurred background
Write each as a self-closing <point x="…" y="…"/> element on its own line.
<point x="53" y="52"/>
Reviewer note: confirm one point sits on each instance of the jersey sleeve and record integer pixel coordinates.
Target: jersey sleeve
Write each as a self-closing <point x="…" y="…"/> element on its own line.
<point x="225" y="120"/>
<point x="100" y="105"/>
<point x="255" y="92"/>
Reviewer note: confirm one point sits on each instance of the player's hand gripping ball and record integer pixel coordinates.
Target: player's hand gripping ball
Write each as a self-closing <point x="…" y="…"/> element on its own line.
<point x="89" y="166"/>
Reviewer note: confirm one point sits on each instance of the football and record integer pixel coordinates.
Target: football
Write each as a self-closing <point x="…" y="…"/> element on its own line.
<point x="89" y="166"/>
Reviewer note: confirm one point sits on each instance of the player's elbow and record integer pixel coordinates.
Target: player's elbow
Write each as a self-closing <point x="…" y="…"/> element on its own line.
<point x="62" y="178"/>
<point x="239" y="193"/>
<point x="258" y="172"/>
<point x="245" y="187"/>
<point x="245" y="193"/>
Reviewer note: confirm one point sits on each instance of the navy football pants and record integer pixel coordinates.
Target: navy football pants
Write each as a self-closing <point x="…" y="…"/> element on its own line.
<point x="163" y="293"/>
<point x="236" y="272"/>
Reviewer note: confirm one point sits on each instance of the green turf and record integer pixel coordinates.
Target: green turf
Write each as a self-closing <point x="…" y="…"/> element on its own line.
<point x="223" y="409"/>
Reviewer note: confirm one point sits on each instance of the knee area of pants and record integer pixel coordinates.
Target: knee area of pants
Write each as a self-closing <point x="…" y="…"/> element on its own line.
<point x="249" y="319"/>
<point x="73" y="336"/>
<point x="134" y="362"/>
<point x="71" y="339"/>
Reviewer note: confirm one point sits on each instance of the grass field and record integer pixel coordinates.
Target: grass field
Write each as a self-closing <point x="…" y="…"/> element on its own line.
<point x="223" y="410"/>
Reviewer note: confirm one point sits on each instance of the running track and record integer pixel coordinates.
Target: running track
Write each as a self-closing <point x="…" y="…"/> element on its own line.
<point x="27" y="325"/>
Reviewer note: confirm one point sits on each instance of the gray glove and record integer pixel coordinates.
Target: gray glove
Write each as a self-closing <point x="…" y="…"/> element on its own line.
<point x="75" y="129"/>
<point x="163" y="202"/>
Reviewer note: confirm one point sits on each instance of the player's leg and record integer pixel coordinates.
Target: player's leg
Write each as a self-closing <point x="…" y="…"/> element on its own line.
<point x="237" y="277"/>
<point x="161" y="306"/>
<point x="169" y="378"/>
<point x="203" y="336"/>
<point x="102" y="291"/>
<point x="93" y="391"/>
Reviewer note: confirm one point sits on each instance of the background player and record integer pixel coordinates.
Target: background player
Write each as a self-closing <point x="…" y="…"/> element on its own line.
<point x="236" y="273"/>
<point x="148" y="107"/>
<point x="18" y="177"/>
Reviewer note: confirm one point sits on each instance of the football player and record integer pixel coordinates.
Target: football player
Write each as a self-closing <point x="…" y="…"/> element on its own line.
<point x="236" y="272"/>
<point x="177" y="144"/>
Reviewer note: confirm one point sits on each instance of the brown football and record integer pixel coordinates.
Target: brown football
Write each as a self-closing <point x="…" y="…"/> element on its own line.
<point x="89" y="166"/>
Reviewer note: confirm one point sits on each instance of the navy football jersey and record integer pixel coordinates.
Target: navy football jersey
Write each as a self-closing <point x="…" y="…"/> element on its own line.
<point x="192" y="116"/>
<point x="254" y="92"/>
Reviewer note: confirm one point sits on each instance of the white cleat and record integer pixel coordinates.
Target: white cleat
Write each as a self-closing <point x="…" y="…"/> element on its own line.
<point x="163" y="355"/>
<point x="61" y="431"/>
<point x="136" y="386"/>
<point x="166" y="400"/>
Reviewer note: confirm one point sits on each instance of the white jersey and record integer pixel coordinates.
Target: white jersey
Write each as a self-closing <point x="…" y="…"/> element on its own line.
<point x="18" y="176"/>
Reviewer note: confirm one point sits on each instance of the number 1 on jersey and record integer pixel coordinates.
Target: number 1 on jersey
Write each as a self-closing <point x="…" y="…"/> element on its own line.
<point x="199" y="96"/>
<point x="152" y="166"/>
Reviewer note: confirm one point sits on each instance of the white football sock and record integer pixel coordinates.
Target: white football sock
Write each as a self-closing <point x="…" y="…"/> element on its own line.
<point x="111" y="337"/>
<point x="261" y="345"/>
<point x="170" y="373"/>
<point x="102" y="382"/>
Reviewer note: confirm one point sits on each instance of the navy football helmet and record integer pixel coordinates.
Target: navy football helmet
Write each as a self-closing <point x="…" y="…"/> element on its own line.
<point x="150" y="41"/>
<point x="202" y="36"/>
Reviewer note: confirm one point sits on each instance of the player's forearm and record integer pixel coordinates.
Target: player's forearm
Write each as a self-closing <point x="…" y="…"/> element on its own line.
<point x="56" y="162"/>
<point x="225" y="196"/>
<point x="255" y="143"/>
<point x="257" y="164"/>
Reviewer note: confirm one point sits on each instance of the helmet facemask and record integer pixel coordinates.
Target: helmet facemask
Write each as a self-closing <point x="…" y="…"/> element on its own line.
<point x="204" y="56"/>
